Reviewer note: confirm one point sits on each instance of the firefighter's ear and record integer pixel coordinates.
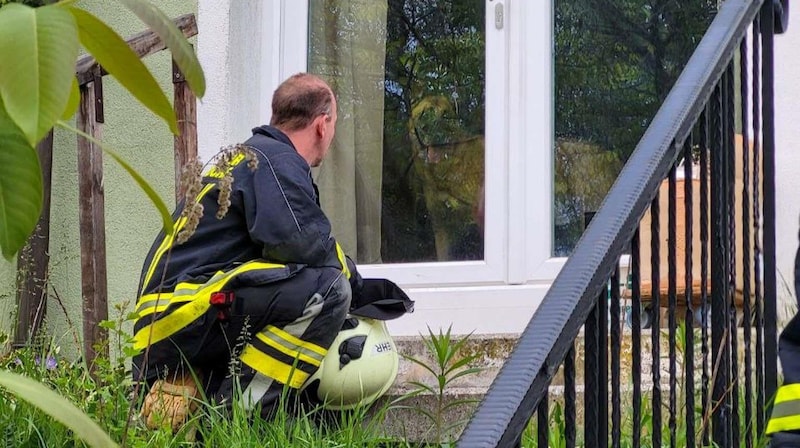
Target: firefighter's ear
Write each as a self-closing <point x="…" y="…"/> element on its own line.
<point x="321" y="125"/>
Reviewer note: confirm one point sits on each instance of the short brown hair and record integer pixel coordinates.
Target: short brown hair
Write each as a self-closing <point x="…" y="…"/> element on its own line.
<point x="298" y="100"/>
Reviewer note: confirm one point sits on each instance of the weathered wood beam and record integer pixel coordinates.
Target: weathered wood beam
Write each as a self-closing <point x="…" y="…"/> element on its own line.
<point x="143" y="44"/>
<point x="33" y="260"/>
<point x="186" y="113"/>
<point x="94" y="291"/>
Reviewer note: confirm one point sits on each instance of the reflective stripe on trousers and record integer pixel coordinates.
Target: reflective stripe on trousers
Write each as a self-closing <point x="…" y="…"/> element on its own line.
<point x="197" y="296"/>
<point x="786" y="410"/>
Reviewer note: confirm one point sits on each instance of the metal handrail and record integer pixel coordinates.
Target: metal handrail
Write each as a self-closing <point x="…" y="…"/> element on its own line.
<point x="522" y="382"/>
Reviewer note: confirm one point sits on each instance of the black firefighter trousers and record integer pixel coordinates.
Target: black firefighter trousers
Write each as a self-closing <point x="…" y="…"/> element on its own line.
<point x="273" y="337"/>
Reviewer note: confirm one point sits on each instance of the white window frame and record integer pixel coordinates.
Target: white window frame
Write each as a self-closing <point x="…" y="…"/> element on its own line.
<point x="499" y="293"/>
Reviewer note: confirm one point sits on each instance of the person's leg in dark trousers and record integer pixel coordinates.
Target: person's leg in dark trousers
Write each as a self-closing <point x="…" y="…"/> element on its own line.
<point x="278" y="335"/>
<point x="789" y="354"/>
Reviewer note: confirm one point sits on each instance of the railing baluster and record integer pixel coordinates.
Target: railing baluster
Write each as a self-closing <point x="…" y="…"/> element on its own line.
<point x="688" y="368"/>
<point x="543" y="414"/>
<point x="759" y="299"/>
<point x="602" y="351"/>
<point x="746" y="324"/>
<point x="569" y="397"/>
<point x="770" y="277"/>
<point x="704" y="249"/>
<point x="719" y="278"/>
<point x="730" y="166"/>
<point x="655" y="261"/>
<point x="636" y="339"/>
<point x="591" y="376"/>
<point x="672" y="298"/>
<point x="615" y="353"/>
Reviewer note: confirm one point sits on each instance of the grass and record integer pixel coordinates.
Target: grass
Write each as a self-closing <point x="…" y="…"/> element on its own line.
<point x="107" y="401"/>
<point x="699" y="416"/>
<point x="106" y="397"/>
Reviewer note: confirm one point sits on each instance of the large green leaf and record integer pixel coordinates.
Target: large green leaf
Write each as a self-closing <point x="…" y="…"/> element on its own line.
<point x="74" y="101"/>
<point x="38" y="47"/>
<point x="182" y="52"/>
<point x="166" y="217"/>
<point x="56" y="406"/>
<point x="118" y="58"/>
<point x="20" y="187"/>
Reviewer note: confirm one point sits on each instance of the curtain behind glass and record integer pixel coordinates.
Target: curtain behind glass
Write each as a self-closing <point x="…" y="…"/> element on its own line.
<point x="348" y="49"/>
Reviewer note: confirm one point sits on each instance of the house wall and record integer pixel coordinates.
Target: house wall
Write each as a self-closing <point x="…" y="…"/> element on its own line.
<point x="145" y="142"/>
<point x="787" y="134"/>
<point x="131" y="221"/>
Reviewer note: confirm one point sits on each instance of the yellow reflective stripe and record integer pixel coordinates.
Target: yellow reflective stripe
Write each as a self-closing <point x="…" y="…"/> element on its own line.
<point x="779" y="424"/>
<point x="293" y="351"/>
<point x="271" y="367"/>
<point x="151" y="301"/>
<point x="788" y="392"/>
<point x="199" y="304"/>
<point x="296" y="341"/>
<point x="154" y="309"/>
<point x="785" y="410"/>
<point x="156" y="302"/>
<point x="182" y="289"/>
<point x="170" y="324"/>
<point x="167" y="243"/>
<point x="217" y="173"/>
<point x="342" y="260"/>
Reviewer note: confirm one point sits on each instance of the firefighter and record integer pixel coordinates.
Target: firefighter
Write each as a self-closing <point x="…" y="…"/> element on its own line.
<point x="253" y="299"/>
<point x="784" y="423"/>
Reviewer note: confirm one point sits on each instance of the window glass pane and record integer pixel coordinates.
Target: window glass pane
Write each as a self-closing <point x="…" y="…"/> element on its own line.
<point x="404" y="180"/>
<point x="615" y="62"/>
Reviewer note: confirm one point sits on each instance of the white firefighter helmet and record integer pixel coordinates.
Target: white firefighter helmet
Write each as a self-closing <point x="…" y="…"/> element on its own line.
<point x="359" y="367"/>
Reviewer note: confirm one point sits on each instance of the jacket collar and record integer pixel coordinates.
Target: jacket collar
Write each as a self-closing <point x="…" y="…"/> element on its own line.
<point x="273" y="133"/>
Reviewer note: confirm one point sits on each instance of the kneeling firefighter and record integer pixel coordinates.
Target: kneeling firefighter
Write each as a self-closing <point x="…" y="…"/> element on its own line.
<point x="248" y="293"/>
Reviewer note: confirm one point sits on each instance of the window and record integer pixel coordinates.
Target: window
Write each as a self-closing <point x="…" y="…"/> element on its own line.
<point x="422" y="87"/>
<point x="407" y="164"/>
<point x="615" y="63"/>
<point x="498" y="104"/>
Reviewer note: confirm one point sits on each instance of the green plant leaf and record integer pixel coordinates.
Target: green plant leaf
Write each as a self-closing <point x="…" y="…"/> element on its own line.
<point x="460" y="363"/>
<point x="421" y="364"/>
<point x="118" y="59"/>
<point x="182" y="53"/>
<point x="43" y="45"/>
<point x="57" y="407"/>
<point x="465" y="372"/>
<point x="456" y="403"/>
<point x="166" y="217"/>
<point x="422" y="387"/>
<point x="20" y="187"/>
<point x="74" y="100"/>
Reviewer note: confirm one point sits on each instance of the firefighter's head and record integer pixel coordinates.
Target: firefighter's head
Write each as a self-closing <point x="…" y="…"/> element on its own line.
<point x="304" y="108"/>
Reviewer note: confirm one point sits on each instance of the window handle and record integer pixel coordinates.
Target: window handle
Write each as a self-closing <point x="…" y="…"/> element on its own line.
<point x="498" y="16"/>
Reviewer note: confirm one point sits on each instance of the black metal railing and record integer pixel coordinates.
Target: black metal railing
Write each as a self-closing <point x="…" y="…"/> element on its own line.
<point x="678" y="343"/>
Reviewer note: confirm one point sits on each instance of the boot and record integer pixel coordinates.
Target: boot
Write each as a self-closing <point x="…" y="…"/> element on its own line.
<point x="169" y="403"/>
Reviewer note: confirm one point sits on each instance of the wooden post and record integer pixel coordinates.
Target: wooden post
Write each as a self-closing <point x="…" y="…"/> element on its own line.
<point x="92" y="224"/>
<point x="186" y="115"/>
<point x="33" y="260"/>
<point x="94" y="289"/>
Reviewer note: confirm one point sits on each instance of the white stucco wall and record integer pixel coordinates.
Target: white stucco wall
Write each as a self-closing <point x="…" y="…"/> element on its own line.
<point x="787" y="135"/>
<point x="229" y="49"/>
<point x="238" y="88"/>
<point x="132" y="222"/>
